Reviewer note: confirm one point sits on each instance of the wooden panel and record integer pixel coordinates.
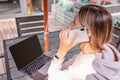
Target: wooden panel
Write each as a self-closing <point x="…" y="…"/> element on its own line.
<point x="117" y="31"/>
<point x="29" y="18"/>
<point x="31" y="30"/>
<point x="15" y="73"/>
<point x="54" y="34"/>
<point x="119" y="48"/>
<point x="111" y="8"/>
<point x="9" y="56"/>
<point x="64" y="16"/>
<point x="31" y="25"/>
<point x="52" y="40"/>
<point x="51" y="35"/>
<point x="12" y="63"/>
<point x="116" y="37"/>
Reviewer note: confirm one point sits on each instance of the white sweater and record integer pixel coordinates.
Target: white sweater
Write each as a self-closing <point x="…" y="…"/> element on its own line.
<point x="80" y="68"/>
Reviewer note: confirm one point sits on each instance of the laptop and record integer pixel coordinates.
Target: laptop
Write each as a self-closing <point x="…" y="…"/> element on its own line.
<point x="28" y="56"/>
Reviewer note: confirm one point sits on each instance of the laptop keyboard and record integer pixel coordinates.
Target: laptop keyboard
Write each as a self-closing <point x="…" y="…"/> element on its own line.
<point x="37" y="64"/>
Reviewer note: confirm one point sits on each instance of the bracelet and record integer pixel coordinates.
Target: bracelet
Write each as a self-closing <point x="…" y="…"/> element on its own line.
<point x="57" y="57"/>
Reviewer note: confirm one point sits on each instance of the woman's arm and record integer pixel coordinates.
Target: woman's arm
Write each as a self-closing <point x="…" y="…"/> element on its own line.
<point x="81" y="67"/>
<point x="69" y="62"/>
<point x="55" y="71"/>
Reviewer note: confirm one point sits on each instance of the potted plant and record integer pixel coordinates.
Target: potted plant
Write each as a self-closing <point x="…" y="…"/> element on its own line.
<point x="116" y="21"/>
<point x="67" y="4"/>
<point x="85" y="2"/>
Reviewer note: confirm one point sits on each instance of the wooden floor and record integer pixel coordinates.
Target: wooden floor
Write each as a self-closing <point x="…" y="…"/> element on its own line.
<point x="8" y="30"/>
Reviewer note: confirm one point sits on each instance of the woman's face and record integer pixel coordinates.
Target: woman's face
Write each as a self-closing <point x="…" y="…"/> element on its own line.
<point x="76" y="22"/>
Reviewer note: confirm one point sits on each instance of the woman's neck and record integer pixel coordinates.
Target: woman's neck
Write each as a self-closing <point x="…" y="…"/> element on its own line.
<point x="87" y="49"/>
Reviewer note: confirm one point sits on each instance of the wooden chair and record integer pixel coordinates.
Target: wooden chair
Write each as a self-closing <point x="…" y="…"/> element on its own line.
<point x="116" y="38"/>
<point x="2" y="76"/>
<point x="30" y="25"/>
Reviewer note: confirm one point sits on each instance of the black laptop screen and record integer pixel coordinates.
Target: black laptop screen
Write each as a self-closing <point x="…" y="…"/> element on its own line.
<point x="26" y="51"/>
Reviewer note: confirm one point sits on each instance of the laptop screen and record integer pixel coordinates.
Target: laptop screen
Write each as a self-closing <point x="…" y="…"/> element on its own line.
<point x="26" y="51"/>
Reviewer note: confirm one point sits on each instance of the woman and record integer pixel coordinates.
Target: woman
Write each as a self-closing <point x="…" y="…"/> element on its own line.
<point x="98" y="60"/>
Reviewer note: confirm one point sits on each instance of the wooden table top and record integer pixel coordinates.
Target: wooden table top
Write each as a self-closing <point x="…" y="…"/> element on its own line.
<point x="11" y="69"/>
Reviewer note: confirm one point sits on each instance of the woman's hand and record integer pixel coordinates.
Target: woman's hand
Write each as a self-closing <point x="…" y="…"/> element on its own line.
<point x="66" y="43"/>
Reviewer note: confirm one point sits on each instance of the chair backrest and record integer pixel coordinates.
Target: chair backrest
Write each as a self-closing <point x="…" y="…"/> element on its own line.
<point x="116" y="38"/>
<point x="30" y="25"/>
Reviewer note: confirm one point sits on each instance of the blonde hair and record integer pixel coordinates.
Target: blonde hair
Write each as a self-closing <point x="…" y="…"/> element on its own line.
<point x="99" y="21"/>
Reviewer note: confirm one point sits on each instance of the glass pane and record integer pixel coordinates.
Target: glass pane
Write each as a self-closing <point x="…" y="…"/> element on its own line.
<point x="36" y="6"/>
<point x="9" y="7"/>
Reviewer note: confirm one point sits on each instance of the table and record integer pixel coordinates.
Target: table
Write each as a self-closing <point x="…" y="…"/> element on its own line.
<point x="11" y="69"/>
